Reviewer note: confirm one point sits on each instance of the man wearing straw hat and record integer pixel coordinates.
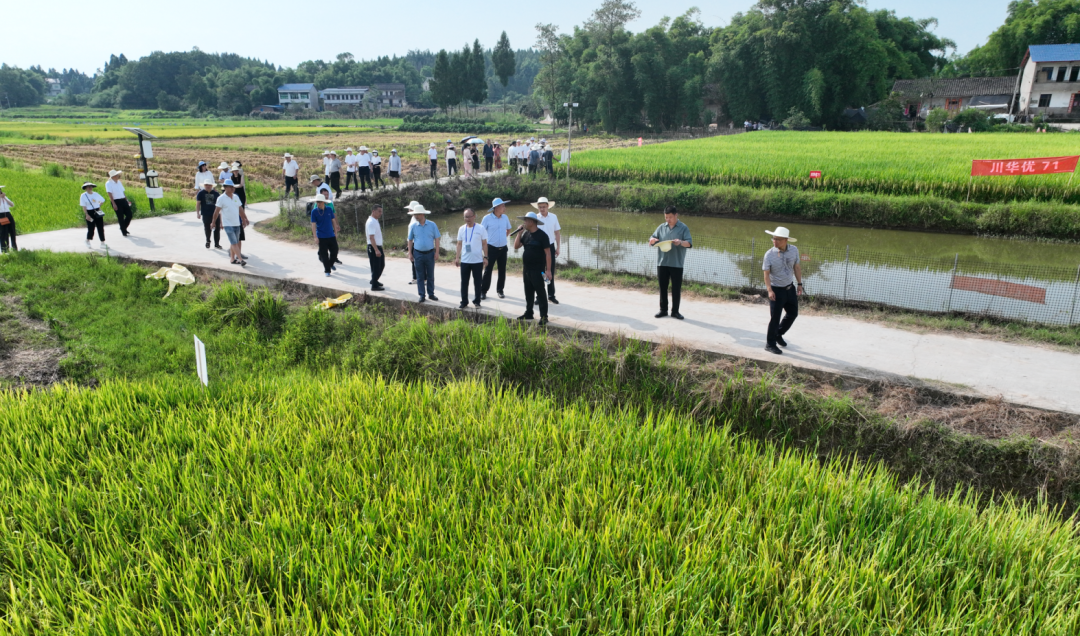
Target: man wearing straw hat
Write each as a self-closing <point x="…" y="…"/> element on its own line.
<point x="783" y="279"/>
<point x="291" y="171"/>
<point x="536" y="261"/>
<point x="673" y="239"/>
<point x="412" y="221"/>
<point x="7" y="223"/>
<point x="90" y="202"/>
<point x="350" y="170"/>
<point x="225" y="174"/>
<point x="451" y="159"/>
<point x="423" y="246"/>
<point x="324" y="228"/>
<point x="497" y="225"/>
<point x="120" y="204"/>
<point x="552" y="228"/>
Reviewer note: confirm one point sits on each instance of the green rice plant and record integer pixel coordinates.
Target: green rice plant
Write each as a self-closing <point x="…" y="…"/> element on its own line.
<point x="871" y="163"/>
<point x="233" y="304"/>
<point x="332" y="505"/>
<point x="51" y="169"/>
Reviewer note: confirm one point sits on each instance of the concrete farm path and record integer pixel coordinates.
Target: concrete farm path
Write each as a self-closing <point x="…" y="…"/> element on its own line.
<point x="1022" y="374"/>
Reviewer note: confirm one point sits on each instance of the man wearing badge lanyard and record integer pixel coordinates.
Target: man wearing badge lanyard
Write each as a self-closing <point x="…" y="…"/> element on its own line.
<point x="471" y="256"/>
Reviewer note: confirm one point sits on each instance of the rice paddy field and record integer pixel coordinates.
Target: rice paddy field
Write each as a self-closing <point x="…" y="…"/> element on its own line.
<point x="96" y="131"/>
<point x="858" y="162"/>
<point x="345" y="505"/>
<point x="365" y="472"/>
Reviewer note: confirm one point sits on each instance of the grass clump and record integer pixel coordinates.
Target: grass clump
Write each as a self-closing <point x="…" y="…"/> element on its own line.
<point x="331" y="504"/>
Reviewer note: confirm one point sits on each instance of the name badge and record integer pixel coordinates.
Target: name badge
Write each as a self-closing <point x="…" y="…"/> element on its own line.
<point x="468" y="249"/>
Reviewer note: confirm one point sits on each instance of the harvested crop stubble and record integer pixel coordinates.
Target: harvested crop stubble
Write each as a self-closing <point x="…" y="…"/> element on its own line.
<point x="464" y="510"/>
<point x="874" y="163"/>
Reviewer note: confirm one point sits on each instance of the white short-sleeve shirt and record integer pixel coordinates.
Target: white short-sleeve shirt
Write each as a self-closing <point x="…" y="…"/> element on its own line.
<point x="373" y="227"/>
<point x="350" y="163"/>
<point x="364" y="160"/>
<point x="432" y="154"/>
<point x="230" y="210"/>
<point x="450" y="154"/>
<point x="551" y="223"/>
<point x="472" y="247"/>
<point x="116" y="189"/>
<point x="91" y="200"/>
<point x="291" y="168"/>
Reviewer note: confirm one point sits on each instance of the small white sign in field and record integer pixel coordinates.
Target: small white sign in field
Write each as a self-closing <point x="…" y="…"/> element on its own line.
<point x="200" y="361"/>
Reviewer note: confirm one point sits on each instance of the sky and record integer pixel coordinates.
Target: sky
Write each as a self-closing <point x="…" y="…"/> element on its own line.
<point x="283" y="31"/>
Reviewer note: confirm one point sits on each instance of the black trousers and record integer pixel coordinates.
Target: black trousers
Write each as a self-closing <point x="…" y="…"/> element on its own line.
<point x="335" y="182"/>
<point x="290" y="182"/>
<point x="551" y="274"/>
<point x="534" y="286"/>
<point x="674" y="276"/>
<point x="350" y="177"/>
<point x="376" y="178"/>
<point x="434" y="172"/>
<point x="787" y="301"/>
<point x="97" y="222"/>
<point x="451" y="167"/>
<point x="475" y="271"/>
<point x="328" y="252"/>
<point x="378" y="264"/>
<point x="365" y="178"/>
<point x="7" y="233"/>
<point x="487" y="163"/>
<point x="210" y="227"/>
<point x="123" y="214"/>
<point x="496" y="256"/>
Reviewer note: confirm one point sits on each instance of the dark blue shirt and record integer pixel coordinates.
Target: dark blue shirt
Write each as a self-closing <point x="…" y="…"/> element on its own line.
<point x="324" y="221"/>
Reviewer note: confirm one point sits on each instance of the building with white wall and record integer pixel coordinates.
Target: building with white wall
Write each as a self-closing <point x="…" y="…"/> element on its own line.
<point x="1050" y="81"/>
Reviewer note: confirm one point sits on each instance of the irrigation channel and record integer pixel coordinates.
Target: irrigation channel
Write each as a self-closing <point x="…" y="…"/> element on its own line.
<point x="1017" y="279"/>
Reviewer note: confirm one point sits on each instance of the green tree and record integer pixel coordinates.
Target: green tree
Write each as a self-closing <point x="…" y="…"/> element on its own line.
<point x="1028" y="22"/>
<point x="442" y="82"/>
<point x="19" y="87"/>
<point x="502" y="59"/>
<point x="477" y="78"/>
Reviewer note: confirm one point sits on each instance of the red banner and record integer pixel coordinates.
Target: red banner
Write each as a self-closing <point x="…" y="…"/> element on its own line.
<point x="815" y="174"/>
<point x="1021" y="167"/>
<point x="1001" y="288"/>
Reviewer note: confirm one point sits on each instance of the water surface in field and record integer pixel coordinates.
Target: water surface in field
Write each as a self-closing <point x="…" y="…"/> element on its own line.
<point x="582" y="221"/>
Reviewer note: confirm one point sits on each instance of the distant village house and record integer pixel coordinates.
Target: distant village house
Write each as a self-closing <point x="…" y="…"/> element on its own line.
<point x="1051" y="80"/>
<point x="301" y="94"/>
<point x="920" y="96"/>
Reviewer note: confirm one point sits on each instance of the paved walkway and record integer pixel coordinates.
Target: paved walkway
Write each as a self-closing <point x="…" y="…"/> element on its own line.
<point x="1023" y="374"/>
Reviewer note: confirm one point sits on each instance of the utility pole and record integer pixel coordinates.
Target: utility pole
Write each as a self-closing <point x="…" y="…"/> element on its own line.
<point x="571" y="105"/>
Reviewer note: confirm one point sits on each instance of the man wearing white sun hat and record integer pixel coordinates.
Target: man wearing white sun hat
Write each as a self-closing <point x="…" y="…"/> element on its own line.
<point x="433" y="158"/>
<point x="783" y="280"/>
<point x="363" y="168"/>
<point x="225" y="174"/>
<point x="120" y="204"/>
<point x="423" y="248"/>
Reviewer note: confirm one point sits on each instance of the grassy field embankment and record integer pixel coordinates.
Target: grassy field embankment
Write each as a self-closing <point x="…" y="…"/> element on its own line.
<point x="364" y="471"/>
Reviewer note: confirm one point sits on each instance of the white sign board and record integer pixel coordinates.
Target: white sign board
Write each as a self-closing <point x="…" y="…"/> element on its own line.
<point x="147" y="150"/>
<point x="155" y="193"/>
<point x="200" y="361"/>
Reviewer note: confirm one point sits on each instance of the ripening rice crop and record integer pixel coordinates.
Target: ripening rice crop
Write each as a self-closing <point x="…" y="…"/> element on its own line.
<point x="876" y="163"/>
<point x="352" y="505"/>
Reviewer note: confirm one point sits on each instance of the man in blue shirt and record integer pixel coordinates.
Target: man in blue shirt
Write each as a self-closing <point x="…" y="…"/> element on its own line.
<point x="498" y="228"/>
<point x="324" y="227"/>
<point x="534" y="159"/>
<point x="674" y="239"/>
<point x="423" y="243"/>
<point x="489" y="155"/>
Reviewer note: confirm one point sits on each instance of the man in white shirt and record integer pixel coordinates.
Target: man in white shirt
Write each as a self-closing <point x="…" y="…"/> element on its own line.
<point x="498" y="229"/>
<point x="350" y="169"/>
<point x="225" y="173"/>
<point x="95" y="219"/>
<point x="375" y="254"/>
<point x="554" y="231"/>
<point x="451" y="160"/>
<point x="363" y="165"/>
<point x="395" y="168"/>
<point x="120" y="204"/>
<point x="290" y="170"/>
<point x="335" y="173"/>
<point x="433" y="158"/>
<point x="471" y="257"/>
<point x="326" y="165"/>
<point x="230" y="211"/>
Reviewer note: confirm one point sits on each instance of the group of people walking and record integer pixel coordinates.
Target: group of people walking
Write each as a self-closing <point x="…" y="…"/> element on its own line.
<point x="91" y="204"/>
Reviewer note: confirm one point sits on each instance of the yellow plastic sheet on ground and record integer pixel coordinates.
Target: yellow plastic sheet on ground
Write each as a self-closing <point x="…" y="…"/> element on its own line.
<point x="176" y="275"/>
<point x="335" y="302"/>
